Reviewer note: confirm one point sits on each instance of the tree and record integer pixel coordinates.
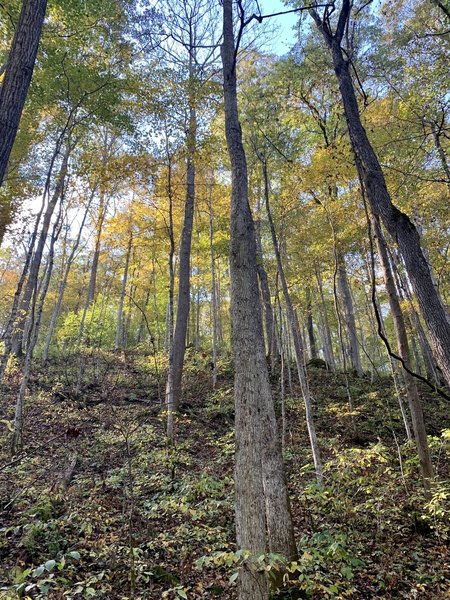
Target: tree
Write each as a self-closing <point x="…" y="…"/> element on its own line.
<point x="398" y="224"/>
<point x="263" y="516"/>
<point x="14" y="88"/>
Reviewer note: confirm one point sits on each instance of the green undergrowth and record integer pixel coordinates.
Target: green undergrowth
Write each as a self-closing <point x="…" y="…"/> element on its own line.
<point x="144" y="520"/>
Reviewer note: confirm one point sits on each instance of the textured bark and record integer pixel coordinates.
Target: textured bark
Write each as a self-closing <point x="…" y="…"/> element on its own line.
<point x="14" y="88"/>
<point x="415" y="324"/>
<point x="397" y="223"/>
<point x="415" y="407"/>
<point x="263" y="519"/>
<point x="349" y="314"/>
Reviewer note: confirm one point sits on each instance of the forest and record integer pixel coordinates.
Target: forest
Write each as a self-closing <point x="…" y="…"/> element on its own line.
<point x="224" y="299"/>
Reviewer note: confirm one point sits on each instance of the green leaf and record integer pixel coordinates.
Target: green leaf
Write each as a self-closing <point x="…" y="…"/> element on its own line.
<point x="181" y="593"/>
<point x="234" y="576"/>
<point x="49" y="564"/>
<point x="38" y="571"/>
<point x="75" y="555"/>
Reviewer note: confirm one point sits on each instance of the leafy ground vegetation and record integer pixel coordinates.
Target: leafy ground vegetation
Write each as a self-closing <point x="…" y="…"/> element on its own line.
<point x="98" y="506"/>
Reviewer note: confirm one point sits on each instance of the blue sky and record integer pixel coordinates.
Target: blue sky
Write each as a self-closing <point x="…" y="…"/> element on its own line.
<point x="285" y="38"/>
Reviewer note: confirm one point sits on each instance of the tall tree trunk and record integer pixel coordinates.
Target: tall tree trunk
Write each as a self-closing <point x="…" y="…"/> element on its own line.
<point x="36" y="309"/>
<point x="120" y="317"/>
<point x="265" y="293"/>
<point x="14" y="88"/>
<point x="414" y="403"/>
<point x="31" y="285"/>
<point x="63" y="283"/>
<point x="328" y="343"/>
<point x="441" y="152"/>
<point x="213" y="290"/>
<point x="170" y="309"/>
<point x="415" y="324"/>
<point x="296" y="336"/>
<point x="263" y="518"/>
<point x="349" y="314"/>
<point x="7" y="335"/>
<point x="94" y="266"/>
<point x="397" y="223"/>
<point x="184" y="277"/>
<point x="310" y="324"/>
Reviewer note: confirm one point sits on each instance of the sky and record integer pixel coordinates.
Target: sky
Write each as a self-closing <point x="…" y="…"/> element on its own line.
<point x="285" y="38"/>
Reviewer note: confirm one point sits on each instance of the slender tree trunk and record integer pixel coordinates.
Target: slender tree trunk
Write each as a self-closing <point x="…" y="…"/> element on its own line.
<point x="31" y="285"/>
<point x="140" y="335"/>
<point x="397" y="223"/>
<point x="415" y="324"/>
<point x="219" y="308"/>
<point x="349" y="314"/>
<point x="328" y="343"/>
<point x="7" y="335"/>
<point x="94" y="266"/>
<point x="36" y="314"/>
<point x="197" y="318"/>
<point x="282" y="374"/>
<point x="120" y="317"/>
<point x="441" y="153"/>
<point x="213" y="290"/>
<point x="170" y="308"/>
<point x="295" y="331"/>
<point x="414" y="403"/>
<point x="184" y="286"/>
<point x="263" y="518"/>
<point x="14" y="88"/>
<point x="265" y="293"/>
<point x="62" y="286"/>
<point x="310" y="324"/>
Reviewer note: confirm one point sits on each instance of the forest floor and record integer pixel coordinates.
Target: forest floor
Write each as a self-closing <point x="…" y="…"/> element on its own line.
<point x="139" y="520"/>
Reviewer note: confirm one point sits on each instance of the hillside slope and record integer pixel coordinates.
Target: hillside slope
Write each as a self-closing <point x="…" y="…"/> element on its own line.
<point x="97" y="505"/>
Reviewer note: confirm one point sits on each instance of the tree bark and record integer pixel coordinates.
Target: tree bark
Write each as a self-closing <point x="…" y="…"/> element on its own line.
<point x="36" y="309"/>
<point x="349" y="314"/>
<point x="263" y="518"/>
<point x="398" y="224"/>
<point x="120" y="317"/>
<point x="265" y="294"/>
<point x="31" y="285"/>
<point x="415" y="324"/>
<point x="310" y="324"/>
<point x="213" y="291"/>
<point x="63" y="283"/>
<point x="17" y="79"/>
<point x="414" y="403"/>
<point x="184" y="277"/>
<point x="296" y="336"/>
<point x="328" y="343"/>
